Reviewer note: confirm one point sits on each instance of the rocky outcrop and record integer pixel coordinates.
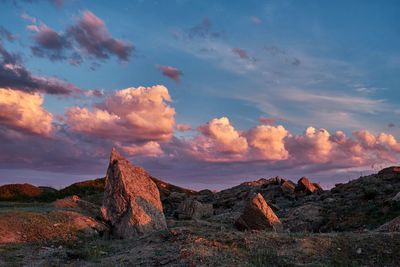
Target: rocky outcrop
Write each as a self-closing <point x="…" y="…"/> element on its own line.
<point x="172" y="196"/>
<point x="288" y="186"/>
<point x="193" y="209"/>
<point x="305" y="185"/>
<point x="257" y="215"/>
<point x="131" y="203"/>
<point x="390" y="170"/>
<point x="391" y="226"/>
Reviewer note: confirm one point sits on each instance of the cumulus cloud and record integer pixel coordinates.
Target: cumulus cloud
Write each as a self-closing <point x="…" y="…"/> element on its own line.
<point x="171" y="72"/>
<point x="366" y="138"/>
<point x="313" y="146"/>
<point x="14" y="75"/>
<point x="24" y="111"/>
<point x="130" y="115"/>
<point x="223" y="137"/>
<point x="267" y="142"/>
<point x="150" y="149"/>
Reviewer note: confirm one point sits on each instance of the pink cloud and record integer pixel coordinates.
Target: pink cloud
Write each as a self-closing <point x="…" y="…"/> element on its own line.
<point x="171" y="72"/>
<point x="267" y="142"/>
<point x="267" y="121"/>
<point x="313" y="146"/>
<point x="24" y="111"/>
<point x="149" y="149"/>
<point x="183" y="127"/>
<point x="240" y="52"/>
<point x="130" y="115"/>
<point x="91" y="34"/>
<point x="223" y="137"/>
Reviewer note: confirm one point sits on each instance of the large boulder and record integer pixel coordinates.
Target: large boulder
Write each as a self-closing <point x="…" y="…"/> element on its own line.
<point x="131" y="203"/>
<point x="257" y="215"/>
<point x="391" y="226"/>
<point x="305" y="185"/>
<point x="193" y="209"/>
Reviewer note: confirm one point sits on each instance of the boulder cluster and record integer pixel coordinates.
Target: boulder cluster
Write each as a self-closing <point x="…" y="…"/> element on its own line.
<point x="137" y="204"/>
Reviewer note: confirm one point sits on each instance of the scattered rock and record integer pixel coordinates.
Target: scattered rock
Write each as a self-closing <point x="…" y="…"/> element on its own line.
<point x="193" y="209"/>
<point x="305" y="185"/>
<point x="257" y="215"/>
<point x="131" y="203"/>
<point x="391" y="226"/>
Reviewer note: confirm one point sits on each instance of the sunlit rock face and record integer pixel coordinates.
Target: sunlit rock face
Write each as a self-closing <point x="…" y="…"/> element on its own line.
<point x="131" y="203"/>
<point x="305" y="185"/>
<point x="257" y="215"/>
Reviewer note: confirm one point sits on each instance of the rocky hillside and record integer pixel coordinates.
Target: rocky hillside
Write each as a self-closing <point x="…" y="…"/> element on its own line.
<point x="26" y="192"/>
<point x="364" y="203"/>
<point x="130" y="218"/>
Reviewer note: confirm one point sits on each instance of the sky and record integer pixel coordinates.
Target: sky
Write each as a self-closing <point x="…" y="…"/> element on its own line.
<point x="203" y="94"/>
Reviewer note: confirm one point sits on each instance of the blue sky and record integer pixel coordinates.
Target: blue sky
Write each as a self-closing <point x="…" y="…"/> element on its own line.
<point x="326" y="64"/>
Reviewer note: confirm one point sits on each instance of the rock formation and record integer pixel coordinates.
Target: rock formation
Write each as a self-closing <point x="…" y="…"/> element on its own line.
<point x="193" y="209"/>
<point x="257" y="215"/>
<point x="305" y="185"/>
<point x="390" y="170"/>
<point x="131" y="203"/>
<point x="288" y="186"/>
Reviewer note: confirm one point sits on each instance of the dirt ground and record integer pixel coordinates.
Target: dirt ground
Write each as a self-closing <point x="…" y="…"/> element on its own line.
<point x="52" y="238"/>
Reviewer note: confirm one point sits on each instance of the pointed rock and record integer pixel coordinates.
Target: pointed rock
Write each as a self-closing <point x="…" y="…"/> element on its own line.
<point x="305" y="185"/>
<point x="257" y="215"/>
<point x="115" y="155"/>
<point x="131" y="203"/>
